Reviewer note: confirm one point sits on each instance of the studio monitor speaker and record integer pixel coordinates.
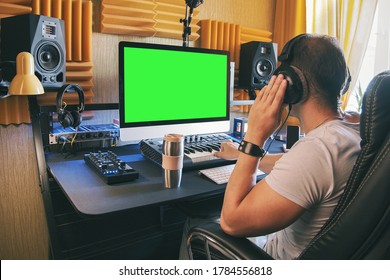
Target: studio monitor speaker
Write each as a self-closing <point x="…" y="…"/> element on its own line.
<point x="41" y="36"/>
<point x="257" y="64"/>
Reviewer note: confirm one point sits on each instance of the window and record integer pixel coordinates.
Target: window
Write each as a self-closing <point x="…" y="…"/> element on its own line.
<point x="377" y="55"/>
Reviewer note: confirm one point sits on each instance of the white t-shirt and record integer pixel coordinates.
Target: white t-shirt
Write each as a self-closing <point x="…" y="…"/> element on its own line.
<point x="312" y="174"/>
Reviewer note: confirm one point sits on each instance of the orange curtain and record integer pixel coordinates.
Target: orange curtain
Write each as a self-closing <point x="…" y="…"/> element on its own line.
<point x="290" y="20"/>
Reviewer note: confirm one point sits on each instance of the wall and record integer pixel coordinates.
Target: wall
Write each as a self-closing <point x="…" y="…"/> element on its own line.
<point x="23" y="230"/>
<point x="248" y="13"/>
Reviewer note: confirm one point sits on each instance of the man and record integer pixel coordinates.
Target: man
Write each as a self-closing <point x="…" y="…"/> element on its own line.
<point x="304" y="185"/>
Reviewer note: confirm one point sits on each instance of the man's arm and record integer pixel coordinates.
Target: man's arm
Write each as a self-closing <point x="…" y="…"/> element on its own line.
<point x="229" y="152"/>
<point x="250" y="209"/>
<point x="268" y="162"/>
<point x="253" y="211"/>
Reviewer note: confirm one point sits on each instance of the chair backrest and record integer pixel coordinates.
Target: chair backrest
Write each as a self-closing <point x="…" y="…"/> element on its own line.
<point x="359" y="228"/>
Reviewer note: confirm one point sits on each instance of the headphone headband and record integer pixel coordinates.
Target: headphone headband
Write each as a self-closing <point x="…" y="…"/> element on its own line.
<point x="70" y="87"/>
<point x="286" y="54"/>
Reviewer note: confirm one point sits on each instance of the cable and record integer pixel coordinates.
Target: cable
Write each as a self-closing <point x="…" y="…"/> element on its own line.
<point x="277" y="131"/>
<point x="74" y="136"/>
<point x="64" y="141"/>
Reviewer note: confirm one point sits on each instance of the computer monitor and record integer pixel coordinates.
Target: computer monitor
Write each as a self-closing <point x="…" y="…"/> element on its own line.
<point x="172" y="89"/>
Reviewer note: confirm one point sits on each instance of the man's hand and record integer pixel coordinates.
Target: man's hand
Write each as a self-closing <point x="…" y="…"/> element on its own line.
<point x="229" y="150"/>
<point x="264" y="116"/>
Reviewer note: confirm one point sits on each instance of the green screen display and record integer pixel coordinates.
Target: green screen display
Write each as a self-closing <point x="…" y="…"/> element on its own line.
<point x="173" y="85"/>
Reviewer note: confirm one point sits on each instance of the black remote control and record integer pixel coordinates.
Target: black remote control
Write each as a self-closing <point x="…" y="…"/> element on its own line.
<point x="110" y="167"/>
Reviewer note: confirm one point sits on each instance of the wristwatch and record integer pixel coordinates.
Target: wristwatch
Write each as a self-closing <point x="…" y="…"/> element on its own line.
<point x="251" y="149"/>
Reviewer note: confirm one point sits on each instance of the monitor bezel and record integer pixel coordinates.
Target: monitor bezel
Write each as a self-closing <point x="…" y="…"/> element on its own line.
<point x="125" y="44"/>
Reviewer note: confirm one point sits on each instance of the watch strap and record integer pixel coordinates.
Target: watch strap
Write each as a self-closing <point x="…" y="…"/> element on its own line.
<point x="251" y="149"/>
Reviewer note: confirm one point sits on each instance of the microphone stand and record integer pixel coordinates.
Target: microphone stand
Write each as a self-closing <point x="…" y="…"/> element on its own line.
<point x="186" y="26"/>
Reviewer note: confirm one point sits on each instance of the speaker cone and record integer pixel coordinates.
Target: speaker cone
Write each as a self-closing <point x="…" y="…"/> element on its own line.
<point x="264" y="68"/>
<point x="48" y="56"/>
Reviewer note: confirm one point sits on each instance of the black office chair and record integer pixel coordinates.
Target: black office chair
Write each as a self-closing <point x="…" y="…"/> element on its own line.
<point x="359" y="227"/>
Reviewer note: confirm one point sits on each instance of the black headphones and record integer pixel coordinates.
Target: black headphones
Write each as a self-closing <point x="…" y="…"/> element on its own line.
<point x="70" y="118"/>
<point x="297" y="89"/>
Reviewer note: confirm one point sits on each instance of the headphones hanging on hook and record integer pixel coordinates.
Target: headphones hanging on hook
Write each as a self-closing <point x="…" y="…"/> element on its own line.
<point x="70" y="118"/>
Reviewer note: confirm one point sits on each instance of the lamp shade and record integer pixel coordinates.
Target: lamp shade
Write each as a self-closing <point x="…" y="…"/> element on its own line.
<point x="25" y="82"/>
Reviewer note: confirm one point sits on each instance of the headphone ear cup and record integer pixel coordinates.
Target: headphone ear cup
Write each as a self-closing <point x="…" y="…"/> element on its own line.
<point x="297" y="89"/>
<point x="76" y="116"/>
<point x="301" y="84"/>
<point x="65" y="118"/>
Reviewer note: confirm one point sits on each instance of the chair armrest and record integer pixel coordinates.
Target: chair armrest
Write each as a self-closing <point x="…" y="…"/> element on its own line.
<point x="208" y="241"/>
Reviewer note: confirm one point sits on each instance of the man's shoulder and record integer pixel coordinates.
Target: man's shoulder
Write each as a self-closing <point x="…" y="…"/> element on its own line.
<point x="336" y="129"/>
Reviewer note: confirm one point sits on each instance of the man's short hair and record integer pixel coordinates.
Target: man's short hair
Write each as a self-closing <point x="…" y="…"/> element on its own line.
<point x="322" y="61"/>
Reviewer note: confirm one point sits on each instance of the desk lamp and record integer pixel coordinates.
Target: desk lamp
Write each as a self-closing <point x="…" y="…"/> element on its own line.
<point x="25" y="82"/>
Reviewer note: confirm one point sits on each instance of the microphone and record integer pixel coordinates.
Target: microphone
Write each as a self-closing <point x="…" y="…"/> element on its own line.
<point x="193" y="3"/>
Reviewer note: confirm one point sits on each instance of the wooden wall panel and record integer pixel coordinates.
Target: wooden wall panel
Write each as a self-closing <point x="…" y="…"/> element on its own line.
<point x="23" y="230"/>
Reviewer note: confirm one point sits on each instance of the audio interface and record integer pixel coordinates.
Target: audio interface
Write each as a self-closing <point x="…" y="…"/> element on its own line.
<point x="85" y="133"/>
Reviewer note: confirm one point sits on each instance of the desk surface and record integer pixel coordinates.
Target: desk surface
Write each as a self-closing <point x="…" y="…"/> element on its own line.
<point x="90" y="195"/>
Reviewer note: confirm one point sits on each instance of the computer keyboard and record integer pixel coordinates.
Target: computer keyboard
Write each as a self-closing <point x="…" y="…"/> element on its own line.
<point x="221" y="174"/>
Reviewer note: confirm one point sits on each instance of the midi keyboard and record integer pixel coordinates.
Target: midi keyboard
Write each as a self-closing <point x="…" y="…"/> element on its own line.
<point x="198" y="150"/>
